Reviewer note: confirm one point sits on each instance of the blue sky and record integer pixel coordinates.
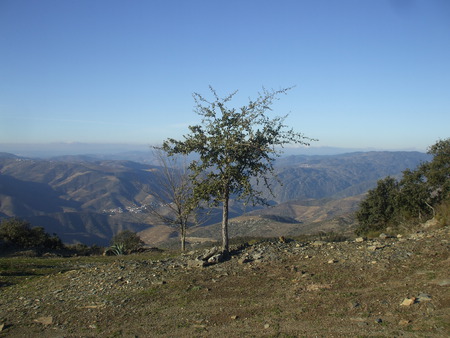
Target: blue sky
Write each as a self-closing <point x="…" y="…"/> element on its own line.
<point x="368" y="74"/>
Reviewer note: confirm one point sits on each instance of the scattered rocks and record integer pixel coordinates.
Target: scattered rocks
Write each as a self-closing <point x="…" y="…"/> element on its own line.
<point x="305" y="271"/>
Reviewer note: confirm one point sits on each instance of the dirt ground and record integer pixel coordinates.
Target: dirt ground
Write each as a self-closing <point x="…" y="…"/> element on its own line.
<point x="388" y="287"/>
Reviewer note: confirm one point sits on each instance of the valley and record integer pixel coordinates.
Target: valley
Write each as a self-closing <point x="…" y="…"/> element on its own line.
<point x="84" y="199"/>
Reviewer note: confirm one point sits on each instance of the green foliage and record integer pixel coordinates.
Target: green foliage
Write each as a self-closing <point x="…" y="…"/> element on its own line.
<point x="414" y="198"/>
<point x="234" y="146"/>
<point x="117" y="249"/>
<point x="377" y="209"/>
<point x="443" y="213"/>
<point x="125" y="242"/>
<point x="19" y="233"/>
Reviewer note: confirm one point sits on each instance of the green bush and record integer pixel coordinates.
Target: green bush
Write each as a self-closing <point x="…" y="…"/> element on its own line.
<point x="126" y="242"/>
<point x="18" y="233"/>
<point x="420" y="195"/>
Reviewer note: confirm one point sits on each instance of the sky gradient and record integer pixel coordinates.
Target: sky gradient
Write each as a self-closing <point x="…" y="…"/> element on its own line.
<point x="367" y="74"/>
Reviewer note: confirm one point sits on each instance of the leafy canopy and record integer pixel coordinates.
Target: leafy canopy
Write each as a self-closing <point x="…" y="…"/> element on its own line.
<point x="234" y="145"/>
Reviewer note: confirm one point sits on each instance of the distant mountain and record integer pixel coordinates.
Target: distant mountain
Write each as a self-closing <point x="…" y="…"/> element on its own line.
<point x="338" y="176"/>
<point x="86" y="199"/>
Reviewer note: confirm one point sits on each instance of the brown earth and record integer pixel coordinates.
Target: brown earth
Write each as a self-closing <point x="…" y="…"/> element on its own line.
<point x="385" y="287"/>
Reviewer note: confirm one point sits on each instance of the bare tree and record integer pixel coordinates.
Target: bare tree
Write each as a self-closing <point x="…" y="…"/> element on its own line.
<point x="175" y="204"/>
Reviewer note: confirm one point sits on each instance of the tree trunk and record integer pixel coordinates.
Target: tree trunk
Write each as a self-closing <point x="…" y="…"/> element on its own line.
<point x="225" y="245"/>
<point x="183" y="237"/>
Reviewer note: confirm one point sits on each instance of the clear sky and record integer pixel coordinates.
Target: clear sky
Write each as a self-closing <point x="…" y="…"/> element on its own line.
<point x="373" y="73"/>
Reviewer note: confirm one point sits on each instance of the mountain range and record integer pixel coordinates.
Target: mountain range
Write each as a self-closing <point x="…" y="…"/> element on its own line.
<point x="88" y="199"/>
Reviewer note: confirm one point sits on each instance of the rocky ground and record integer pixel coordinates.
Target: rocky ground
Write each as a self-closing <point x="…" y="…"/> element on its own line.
<point x="385" y="287"/>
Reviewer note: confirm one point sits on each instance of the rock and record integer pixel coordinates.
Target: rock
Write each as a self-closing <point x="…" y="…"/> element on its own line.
<point x="408" y="301"/>
<point x="318" y="243"/>
<point x="423" y="297"/>
<point x="2" y="326"/>
<point x="217" y="258"/>
<point x="159" y="282"/>
<point x="331" y="261"/>
<point x="404" y="322"/>
<point x="44" y="320"/>
<point x="266" y="326"/>
<point x="431" y="223"/>
<point x="359" y="239"/>
<point x="209" y="253"/>
<point x="234" y="317"/>
<point x="196" y="263"/>
<point x="378" y="320"/>
<point x="315" y="287"/>
<point x="244" y="260"/>
<point x="257" y="256"/>
<point x="442" y="282"/>
<point x="375" y="247"/>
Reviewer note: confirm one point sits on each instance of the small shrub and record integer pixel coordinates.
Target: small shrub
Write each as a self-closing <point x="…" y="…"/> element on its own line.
<point x="116" y="249"/>
<point x="126" y="242"/>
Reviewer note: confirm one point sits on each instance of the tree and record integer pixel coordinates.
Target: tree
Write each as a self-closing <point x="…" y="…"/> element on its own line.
<point x="377" y="210"/>
<point x="19" y="233"/>
<point x="414" y="195"/>
<point x="176" y="205"/>
<point x="421" y="193"/>
<point x="437" y="172"/>
<point x="129" y="240"/>
<point x="233" y="146"/>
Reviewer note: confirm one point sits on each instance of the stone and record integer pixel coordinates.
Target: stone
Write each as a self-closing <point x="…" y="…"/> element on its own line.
<point x="244" y="260"/>
<point x="44" y="320"/>
<point x="442" y="282"/>
<point x="266" y="326"/>
<point x="217" y="258"/>
<point x="234" y="317"/>
<point x="359" y="239"/>
<point x="196" y="263"/>
<point x="2" y="326"/>
<point x="316" y="287"/>
<point x="331" y="261"/>
<point x="423" y="297"/>
<point x="318" y="243"/>
<point x="159" y="282"/>
<point x="408" y="301"/>
<point x="209" y="253"/>
<point x="404" y="322"/>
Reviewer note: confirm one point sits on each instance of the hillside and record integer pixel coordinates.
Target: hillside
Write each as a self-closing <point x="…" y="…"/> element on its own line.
<point x="87" y="200"/>
<point x="386" y="287"/>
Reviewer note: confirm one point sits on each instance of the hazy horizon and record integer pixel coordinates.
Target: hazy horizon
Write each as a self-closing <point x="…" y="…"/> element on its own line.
<point x="79" y="148"/>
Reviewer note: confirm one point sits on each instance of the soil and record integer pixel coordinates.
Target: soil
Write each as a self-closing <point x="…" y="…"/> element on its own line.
<point x="386" y="287"/>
